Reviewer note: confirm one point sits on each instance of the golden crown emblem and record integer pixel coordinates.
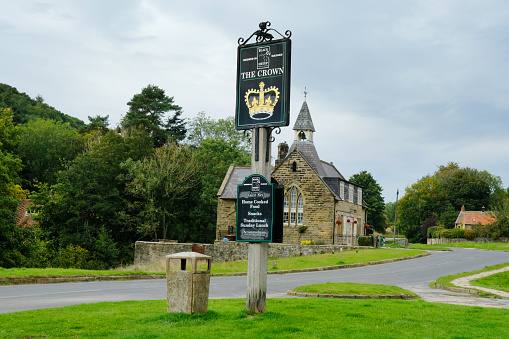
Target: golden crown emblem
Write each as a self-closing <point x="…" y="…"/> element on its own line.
<point x="262" y="107"/>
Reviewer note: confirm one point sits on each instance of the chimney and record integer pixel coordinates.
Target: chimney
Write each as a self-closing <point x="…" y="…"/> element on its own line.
<point x="282" y="152"/>
<point x="463" y="208"/>
<point x="483" y="209"/>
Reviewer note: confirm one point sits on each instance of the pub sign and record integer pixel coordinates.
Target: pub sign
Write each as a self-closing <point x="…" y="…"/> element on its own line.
<point x="263" y="84"/>
<point x="255" y="209"/>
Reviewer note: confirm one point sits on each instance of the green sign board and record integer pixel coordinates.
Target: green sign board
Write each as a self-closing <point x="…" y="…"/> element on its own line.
<point x="263" y="84"/>
<point x="255" y="209"/>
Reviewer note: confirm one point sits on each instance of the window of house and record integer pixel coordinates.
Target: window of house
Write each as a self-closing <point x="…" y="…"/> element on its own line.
<point x="293" y="213"/>
<point x="300" y="210"/>
<point x="293" y="205"/>
<point x="285" y="210"/>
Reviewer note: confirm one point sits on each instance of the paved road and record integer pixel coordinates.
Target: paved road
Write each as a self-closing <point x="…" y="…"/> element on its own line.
<point x="414" y="275"/>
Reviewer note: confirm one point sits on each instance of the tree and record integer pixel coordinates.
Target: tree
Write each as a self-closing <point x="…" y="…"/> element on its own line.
<point x="438" y="198"/>
<point x="390" y="212"/>
<point x="164" y="181"/>
<point x="148" y="109"/>
<point x="215" y="157"/>
<point x="88" y="206"/>
<point x="203" y="127"/>
<point x="26" y="108"/>
<point x="97" y="123"/>
<point x="12" y="242"/>
<point x="372" y="195"/>
<point x="45" y="147"/>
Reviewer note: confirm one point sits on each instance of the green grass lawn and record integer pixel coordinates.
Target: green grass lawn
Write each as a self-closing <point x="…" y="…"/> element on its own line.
<point x="353" y="289"/>
<point x="61" y="272"/>
<point x="481" y="246"/>
<point x="285" y="318"/>
<point x="318" y="260"/>
<point x="446" y="281"/>
<point x="498" y="281"/>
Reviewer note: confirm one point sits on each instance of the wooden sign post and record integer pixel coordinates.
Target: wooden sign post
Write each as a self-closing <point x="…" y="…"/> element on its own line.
<point x="262" y="104"/>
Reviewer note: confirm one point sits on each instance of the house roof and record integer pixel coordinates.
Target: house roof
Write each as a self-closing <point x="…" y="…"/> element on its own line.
<point x="235" y="176"/>
<point x="304" y="121"/>
<point x="475" y="218"/>
<point x="308" y="151"/>
<point x="331" y="171"/>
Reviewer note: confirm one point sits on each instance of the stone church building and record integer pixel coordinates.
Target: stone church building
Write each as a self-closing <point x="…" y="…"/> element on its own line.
<point x="320" y="205"/>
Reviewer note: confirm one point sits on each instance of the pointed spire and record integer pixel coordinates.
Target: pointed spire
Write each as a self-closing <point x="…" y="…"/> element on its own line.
<point x="304" y="122"/>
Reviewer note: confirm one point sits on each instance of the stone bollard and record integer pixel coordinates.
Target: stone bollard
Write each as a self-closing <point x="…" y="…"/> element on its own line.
<point x="187" y="286"/>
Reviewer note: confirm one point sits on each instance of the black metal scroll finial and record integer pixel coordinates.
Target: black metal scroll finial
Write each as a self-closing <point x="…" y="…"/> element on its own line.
<point x="263" y="35"/>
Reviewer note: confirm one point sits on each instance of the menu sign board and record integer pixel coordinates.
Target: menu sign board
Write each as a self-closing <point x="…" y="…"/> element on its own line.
<point x="263" y="84"/>
<point x="255" y="207"/>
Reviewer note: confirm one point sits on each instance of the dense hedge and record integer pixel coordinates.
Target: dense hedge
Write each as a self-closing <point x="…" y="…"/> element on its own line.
<point x="365" y="241"/>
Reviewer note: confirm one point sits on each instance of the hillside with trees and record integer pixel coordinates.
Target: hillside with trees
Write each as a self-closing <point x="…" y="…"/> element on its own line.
<point x="26" y="109"/>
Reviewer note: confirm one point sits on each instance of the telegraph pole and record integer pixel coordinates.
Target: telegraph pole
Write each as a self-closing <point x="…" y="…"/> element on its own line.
<point x="395" y="217"/>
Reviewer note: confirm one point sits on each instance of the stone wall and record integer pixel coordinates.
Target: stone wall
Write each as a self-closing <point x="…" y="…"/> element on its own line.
<point x="226" y="217"/>
<point x="154" y="253"/>
<point x="441" y="241"/>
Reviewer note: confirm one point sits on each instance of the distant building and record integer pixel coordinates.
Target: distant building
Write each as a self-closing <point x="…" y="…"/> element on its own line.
<point x="316" y="194"/>
<point x="25" y="213"/>
<point x="467" y="219"/>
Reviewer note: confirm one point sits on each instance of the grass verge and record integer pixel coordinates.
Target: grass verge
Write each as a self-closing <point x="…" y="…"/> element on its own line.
<point x="353" y="289"/>
<point x="285" y="318"/>
<point x="228" y="268"/>
<point x="61" y="272"/>
<point x="498" y="281"/>
<point x="318" y="260"/>
<point x="481" y="246"/>
<point x="446" y="281"/>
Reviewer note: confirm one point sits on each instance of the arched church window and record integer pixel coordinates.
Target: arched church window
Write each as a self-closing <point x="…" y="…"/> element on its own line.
<point x="294" y="167"/>
<point x="293" y="213"/>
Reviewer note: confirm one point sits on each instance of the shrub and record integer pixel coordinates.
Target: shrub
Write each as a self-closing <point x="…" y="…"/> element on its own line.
<point x="457" y="233"/>
<point x="365" y="241"/>
<point x="469" y="234"/>
<point x="444" y="233"/>
<point x="495" y="235"/>
<point x="71" y="257"/>
<point x="302" y="229"/>
<point x="433" y="231"/>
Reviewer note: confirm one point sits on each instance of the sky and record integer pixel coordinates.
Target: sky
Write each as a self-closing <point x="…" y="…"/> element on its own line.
<point x="395" y="87"/>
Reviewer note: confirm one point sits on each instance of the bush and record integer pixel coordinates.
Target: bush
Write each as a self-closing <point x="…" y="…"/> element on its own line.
<point x="71" y="257"/>
<point x="457" y="233"/>
<point x="433" y="231"/>
<point x="444" y="233"/>
<point x="365" y="241"/>
<point x="495" y="235"/>
<point x="302" y="229"/>
<point x="469" y="235"/>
